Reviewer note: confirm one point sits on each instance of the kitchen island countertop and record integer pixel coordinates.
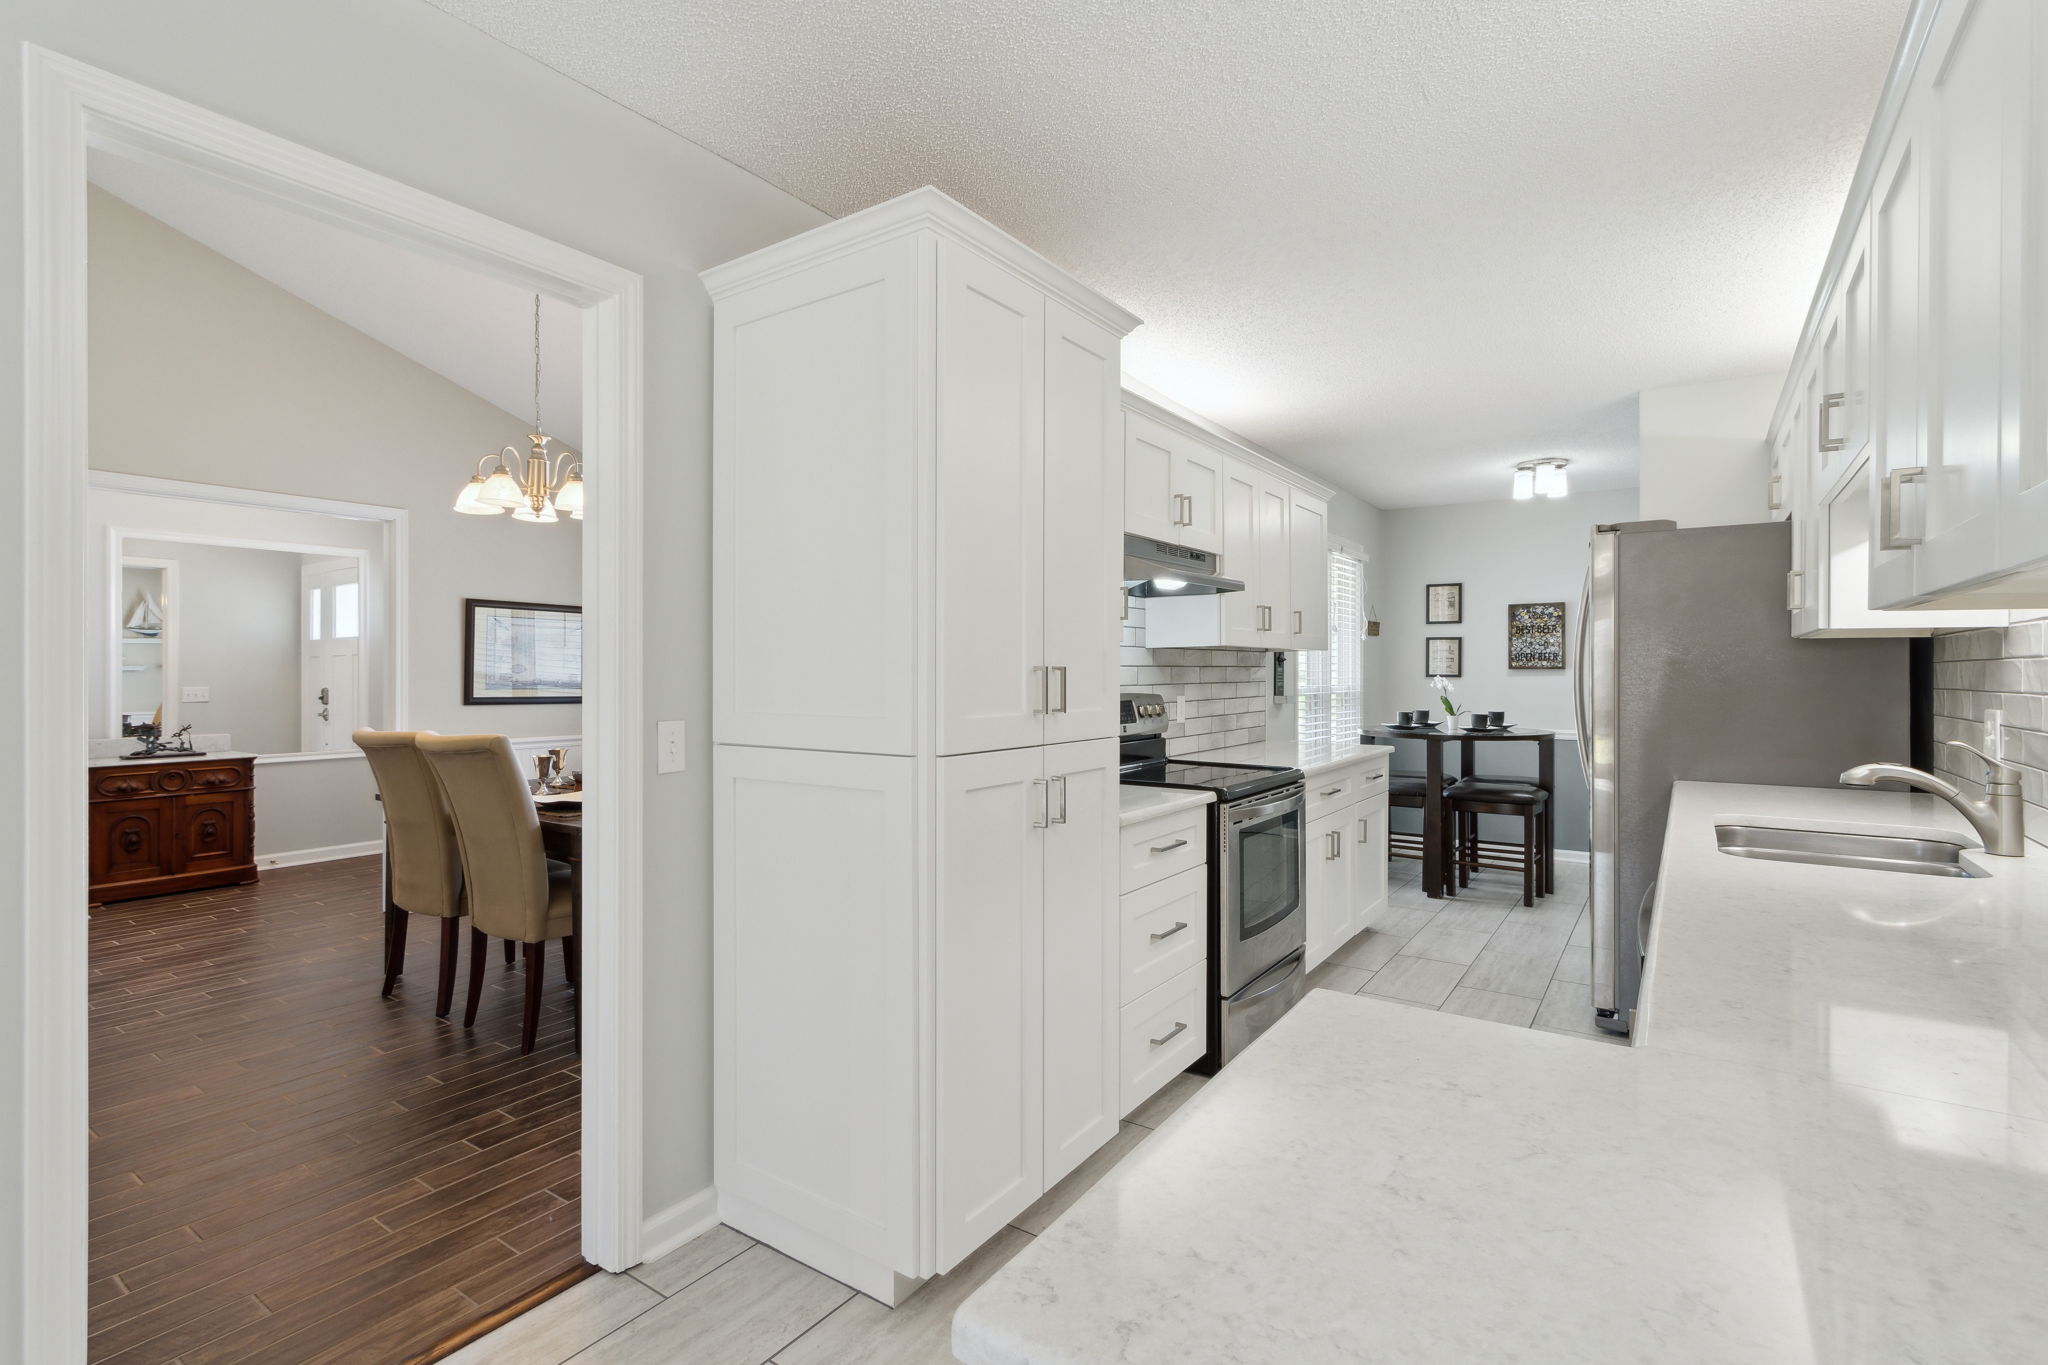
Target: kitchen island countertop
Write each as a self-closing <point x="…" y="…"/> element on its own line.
<point x="1820" y="1151"/>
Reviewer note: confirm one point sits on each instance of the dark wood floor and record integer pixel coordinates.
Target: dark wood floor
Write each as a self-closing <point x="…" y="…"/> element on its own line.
<point x="287" y="1168"/>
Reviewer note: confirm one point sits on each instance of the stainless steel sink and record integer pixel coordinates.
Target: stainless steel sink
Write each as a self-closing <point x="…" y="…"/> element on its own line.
<point x="1877" y="852"/>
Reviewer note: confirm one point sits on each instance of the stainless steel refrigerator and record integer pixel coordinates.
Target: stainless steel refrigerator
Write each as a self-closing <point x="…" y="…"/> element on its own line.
<point x="1687" y="670"/>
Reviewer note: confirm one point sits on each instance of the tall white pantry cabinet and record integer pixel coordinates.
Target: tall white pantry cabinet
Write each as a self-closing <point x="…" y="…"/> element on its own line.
<point x="918" y="485"/>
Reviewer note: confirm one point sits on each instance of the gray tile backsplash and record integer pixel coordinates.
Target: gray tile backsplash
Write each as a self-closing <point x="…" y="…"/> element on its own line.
<point x="2004" y="669"/>
<point x="1229" y="691"/>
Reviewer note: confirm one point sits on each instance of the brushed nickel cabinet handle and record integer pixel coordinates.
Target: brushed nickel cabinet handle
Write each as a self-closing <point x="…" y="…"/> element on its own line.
<point x="1775" y="502"/>
<point x="1061" y="709"/>
<point x="1332" y="791"/>
<point x="1043" y="803"/>
<point x="1060" y="783"/>
<point x="1171" y="1034"/>
<point x="1831" y="403"/>
<point x="1169" y="933"/>
<point x="1298" y="628"/>
<point x="1168" y="848"/>
<point x="1889" y="536"/>
<point x="1795" y="590"/>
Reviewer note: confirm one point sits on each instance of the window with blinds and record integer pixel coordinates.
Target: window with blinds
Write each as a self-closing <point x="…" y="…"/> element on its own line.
<point x="1331" y="683"/>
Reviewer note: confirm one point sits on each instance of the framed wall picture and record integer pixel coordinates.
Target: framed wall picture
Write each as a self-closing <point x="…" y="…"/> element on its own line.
<point x="1443" y="604"/>
<point x="1444" y="656"/>
<point x="1536" y="635"/>
<point x="521" y="653"/>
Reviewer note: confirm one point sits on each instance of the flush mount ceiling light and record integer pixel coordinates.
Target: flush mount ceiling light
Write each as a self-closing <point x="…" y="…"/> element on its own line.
<point x="547" y="486"/>
<point x="1540" y="479"/>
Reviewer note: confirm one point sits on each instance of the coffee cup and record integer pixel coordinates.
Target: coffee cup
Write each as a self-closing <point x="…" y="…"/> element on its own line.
<point x="1497" y="720"/>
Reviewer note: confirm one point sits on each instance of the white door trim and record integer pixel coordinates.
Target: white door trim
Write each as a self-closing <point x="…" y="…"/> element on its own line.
<point x="67" y="107"/>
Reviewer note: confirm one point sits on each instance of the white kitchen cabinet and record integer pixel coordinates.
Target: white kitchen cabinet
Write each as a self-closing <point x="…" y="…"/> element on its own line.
<point x="1308" y="541"/>
<point x="1163" y="969"/>
<point x="1262" y="517"/>
<point x="1082" y="936"/>
<point x="1346" y="883"/>
<point x="1029" y="1074"/>
<point x="1938" y="290"/>
<point x="992" y="666"/>
<point x="1326" y="887"/>
<point x="918" y="456"/>
<point x="1173" y="485"/>
<point x="1083" y="556"/>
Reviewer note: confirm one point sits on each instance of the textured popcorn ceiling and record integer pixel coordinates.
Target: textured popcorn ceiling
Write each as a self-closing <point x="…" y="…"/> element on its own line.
<point x="1405" y="243"/>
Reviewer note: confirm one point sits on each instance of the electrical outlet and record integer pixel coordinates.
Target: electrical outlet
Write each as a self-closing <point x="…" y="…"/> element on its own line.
<point x="1994" y="733"/>
<point x="196" y="694"/>
<point x="668" y="746"/>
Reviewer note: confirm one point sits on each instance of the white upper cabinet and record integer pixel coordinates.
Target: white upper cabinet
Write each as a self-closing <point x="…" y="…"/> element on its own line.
<point x="1308" y="543"/>
<point x="1083" y="518"/>
<point x="1173" y="485"/>
<point x="1925" y="414"/>
<point x="993" y="682"/>
<point x="815" y="418"/>
<point x="1275" y="537"/>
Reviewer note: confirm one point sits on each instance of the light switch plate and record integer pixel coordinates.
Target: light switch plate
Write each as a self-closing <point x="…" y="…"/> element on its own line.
<point x="668" y="746"/>
<point x="1994" y="734"/>
<point x="196" y="694"/>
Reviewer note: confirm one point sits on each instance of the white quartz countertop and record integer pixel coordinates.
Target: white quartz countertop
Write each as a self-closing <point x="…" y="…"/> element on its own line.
<point x="1145" y="803"/>
<point x="1309" y="756"/>
<point x="1823" y="1149"/>
<point x="211" y="755"/>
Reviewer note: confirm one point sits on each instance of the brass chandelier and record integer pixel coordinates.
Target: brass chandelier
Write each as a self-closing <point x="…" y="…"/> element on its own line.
<point x="546" y="485"/>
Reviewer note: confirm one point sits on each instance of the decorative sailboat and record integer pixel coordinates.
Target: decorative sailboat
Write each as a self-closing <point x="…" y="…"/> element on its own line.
<point x="146" y="620"/>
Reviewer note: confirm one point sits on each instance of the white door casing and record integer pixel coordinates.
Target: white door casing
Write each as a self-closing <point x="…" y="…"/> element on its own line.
<point x="330" y="654"/>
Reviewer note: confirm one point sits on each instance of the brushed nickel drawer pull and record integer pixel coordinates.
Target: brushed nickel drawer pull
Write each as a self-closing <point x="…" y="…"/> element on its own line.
<point x="1333" y="791"/>
<point x="1169" y="933"/>
<point x="1171" y="1034"/>
<point x="1168" y="848"/>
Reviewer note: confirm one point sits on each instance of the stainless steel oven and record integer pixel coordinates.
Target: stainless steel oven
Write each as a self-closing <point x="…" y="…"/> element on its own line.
<point x="1261" y="861"/>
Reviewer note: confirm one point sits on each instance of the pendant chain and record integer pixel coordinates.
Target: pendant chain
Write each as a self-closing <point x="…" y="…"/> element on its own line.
<point x="536" y="364"/>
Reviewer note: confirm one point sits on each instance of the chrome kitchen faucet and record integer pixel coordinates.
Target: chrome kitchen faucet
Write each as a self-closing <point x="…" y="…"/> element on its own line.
<point x="1999" y="819"/>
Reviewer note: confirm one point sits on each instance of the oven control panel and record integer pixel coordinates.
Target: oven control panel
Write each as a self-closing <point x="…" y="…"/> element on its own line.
<point x="1142" y="713"/>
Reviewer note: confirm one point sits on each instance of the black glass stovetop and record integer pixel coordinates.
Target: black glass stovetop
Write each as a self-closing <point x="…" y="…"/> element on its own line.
<point x="1228" y="780"/>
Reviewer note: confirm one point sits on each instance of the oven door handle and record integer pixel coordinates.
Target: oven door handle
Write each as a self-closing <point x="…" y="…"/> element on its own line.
<point x="1293" y="970"/>
<point x="1239" y="814"/>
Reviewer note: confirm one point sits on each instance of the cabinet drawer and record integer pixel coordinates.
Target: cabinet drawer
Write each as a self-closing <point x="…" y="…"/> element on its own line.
<point x="1165" y="1031"/>
<point x="1161" y="848"/>
<point x="1165" y="931"/>
<point x="1339" y="787"/>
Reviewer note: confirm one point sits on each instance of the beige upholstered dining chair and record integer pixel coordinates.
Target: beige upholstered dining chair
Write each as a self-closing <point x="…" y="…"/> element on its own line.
<point x="422" y="867"/>
<point x="514" y="892"/>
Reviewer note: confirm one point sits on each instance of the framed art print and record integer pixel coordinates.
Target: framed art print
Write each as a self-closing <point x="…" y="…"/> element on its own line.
<point x="1444" y="604"/>
<point x="1444" y="656"/>
<point x="1536" y="635"/>
<point x="521" y="653"/>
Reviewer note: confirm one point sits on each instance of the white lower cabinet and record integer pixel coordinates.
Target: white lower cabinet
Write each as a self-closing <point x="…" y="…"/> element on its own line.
<point x="1164" y="1033"/>
<point x="1346" y="882"/>
<point x="1164" y="954"/>
<point x="1028" y="1081"/>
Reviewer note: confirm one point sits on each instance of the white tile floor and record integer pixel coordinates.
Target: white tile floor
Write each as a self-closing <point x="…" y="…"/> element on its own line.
<point x="725" y="1299"/>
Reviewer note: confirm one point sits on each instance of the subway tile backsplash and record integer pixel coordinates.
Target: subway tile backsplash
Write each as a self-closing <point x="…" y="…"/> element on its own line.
<point x="2004" y="669"/>
<point x="1228" y="690"/>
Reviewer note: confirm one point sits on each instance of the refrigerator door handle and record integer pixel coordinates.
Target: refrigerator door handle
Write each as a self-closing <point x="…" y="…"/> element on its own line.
<point x="1579" y="684"/>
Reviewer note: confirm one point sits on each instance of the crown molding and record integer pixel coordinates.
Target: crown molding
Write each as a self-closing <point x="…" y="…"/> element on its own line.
<point x="922" y="210"/>
<point x="1149" y="402"/>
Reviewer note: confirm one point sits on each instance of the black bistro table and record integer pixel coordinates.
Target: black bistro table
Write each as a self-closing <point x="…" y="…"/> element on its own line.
<point x="1435" y="837"/>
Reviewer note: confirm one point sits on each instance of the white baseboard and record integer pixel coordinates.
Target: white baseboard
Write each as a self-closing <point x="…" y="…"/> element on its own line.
<point x="1574" y="855"/>
<point x="329" y="854"/>
<point x="680" y="1222"/>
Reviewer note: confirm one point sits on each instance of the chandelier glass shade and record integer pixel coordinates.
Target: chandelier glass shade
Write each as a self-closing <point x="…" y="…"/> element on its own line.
<point x="538" y="486"/>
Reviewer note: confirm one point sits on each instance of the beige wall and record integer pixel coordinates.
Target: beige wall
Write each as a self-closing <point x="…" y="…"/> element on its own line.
<point x="404" y="90"/>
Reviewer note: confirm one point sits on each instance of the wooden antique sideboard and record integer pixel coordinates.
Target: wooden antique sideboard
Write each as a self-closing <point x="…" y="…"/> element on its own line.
<point x="160" y="827"/>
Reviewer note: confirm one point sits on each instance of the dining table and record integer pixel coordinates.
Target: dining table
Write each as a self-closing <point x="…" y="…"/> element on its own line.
<point x="1438" y="876"/>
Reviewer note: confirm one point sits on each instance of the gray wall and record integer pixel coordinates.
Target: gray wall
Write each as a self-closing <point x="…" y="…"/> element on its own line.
<point x="236" y="627"/>
<point x="447" y="110"/>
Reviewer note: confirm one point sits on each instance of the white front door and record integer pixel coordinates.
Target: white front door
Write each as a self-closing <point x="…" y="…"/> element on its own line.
<point x="330" y="652"/>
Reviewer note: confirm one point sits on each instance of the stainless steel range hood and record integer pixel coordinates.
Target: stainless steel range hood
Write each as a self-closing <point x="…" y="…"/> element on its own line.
<point x="1154" y="568"/>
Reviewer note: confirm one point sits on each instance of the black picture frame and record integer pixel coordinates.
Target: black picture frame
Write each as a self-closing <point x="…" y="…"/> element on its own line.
<point x="1451" y="612"/>
<point x="480" y="616"/>
<point x="1456" y="644"/>
<point x="1536" y="635"/>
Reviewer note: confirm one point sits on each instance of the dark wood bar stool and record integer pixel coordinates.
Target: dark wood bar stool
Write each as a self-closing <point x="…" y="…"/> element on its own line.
<point x="1546" y="847"/>
<point x="1471" y="798"/>
<point x="1405" y="790"/>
